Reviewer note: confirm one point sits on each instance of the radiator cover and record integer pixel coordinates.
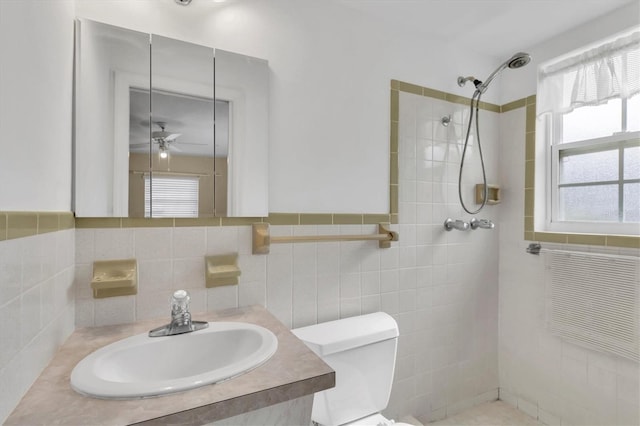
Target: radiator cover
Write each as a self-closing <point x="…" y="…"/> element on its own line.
<point x="593" y="299"/>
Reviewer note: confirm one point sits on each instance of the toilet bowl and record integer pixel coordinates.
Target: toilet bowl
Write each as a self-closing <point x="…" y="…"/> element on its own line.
<point x="362" y="351"/>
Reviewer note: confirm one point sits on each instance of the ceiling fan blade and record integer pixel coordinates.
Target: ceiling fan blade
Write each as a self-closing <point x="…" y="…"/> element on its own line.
<point x="191" y="143"/>
<point x="172" y="147"/>
<point x="172" y="136"/>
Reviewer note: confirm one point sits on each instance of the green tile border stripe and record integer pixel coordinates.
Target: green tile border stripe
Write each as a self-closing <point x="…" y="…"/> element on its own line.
<point x="21" y="224"/>
<point x="273" y="219"/>
<point x="402" y="86"/>
<point x="394" y="143"/>
<point x="604" y="240"/>
<point x="3" y="226"/>
<point x="514" y="105"/>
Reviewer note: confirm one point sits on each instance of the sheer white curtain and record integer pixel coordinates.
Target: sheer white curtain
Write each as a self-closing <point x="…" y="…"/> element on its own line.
<point x="610" y="70"/>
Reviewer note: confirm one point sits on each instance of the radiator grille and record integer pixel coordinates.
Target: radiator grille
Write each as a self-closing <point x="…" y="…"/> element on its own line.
<point x="593" y="300"/>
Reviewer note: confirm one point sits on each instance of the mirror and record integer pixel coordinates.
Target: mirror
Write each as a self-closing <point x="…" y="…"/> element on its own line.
<point x="242" y="84"/>
<point x="166" y="128"/>
<point x="178" y="181"/>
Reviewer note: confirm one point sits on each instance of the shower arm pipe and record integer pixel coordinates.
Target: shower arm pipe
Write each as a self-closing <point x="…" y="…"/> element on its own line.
<point x="463" y="80"/>
<point x="262" y="238"/>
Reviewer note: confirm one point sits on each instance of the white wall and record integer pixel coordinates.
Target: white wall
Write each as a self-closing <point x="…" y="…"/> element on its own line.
<point x="331" y="69"/>
<point x="558" y="382"/>
<point x="36" y="66"/>
<point x="36" y="273"/>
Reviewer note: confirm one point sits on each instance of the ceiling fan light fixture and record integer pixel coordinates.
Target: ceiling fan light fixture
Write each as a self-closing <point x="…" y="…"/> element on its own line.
<point x="183" y="2"/>
<point x="164" y="149"/>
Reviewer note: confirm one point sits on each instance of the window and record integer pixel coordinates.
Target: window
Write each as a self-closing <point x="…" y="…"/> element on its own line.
<point x="171" y="196"/>
<point x="589" y="109"/>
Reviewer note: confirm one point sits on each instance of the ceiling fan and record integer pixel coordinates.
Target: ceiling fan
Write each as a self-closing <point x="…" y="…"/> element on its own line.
<point x="166" y="141"/>
<point x="162" y="135"/>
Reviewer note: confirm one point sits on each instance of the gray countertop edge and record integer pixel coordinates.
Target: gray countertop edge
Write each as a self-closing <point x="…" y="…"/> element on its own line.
<point x="246" y="403"/>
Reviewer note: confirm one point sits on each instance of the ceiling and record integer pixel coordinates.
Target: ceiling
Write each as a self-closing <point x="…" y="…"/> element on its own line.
<point x="492" y="27"/>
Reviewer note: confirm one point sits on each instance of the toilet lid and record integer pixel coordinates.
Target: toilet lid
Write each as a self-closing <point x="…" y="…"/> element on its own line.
<point x="376" y="420"/>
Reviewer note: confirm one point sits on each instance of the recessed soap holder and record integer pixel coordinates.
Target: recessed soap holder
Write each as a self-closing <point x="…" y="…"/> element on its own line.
<point x="114" y="278"/>
<point x="221" y="270"/>
<point x="493" y="194"/>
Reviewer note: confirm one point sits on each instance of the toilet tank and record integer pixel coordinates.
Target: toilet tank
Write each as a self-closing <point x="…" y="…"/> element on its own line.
<point x="362" y="351"/>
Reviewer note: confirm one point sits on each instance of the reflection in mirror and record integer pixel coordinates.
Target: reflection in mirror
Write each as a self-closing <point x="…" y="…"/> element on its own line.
<point x="182" y="149"/>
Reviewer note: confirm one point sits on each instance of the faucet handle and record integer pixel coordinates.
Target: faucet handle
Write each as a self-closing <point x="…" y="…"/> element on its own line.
<point x="460" y="225"/>
<point x="481" y="223"/>
<point x="180" y="317"/>
<point x="180" y="301"/>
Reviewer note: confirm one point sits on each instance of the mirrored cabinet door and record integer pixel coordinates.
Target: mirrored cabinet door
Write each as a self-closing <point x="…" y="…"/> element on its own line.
<point x="111" y="64"/>
<point x="180" y="182"/>
<point x="242" y="132"/>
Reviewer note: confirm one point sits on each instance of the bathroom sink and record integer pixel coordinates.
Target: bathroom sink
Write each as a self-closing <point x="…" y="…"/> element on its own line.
<point x="142" y="366"/>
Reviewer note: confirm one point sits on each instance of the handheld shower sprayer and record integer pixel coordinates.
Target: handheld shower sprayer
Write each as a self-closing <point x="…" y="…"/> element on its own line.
<point x="518" y="60"/>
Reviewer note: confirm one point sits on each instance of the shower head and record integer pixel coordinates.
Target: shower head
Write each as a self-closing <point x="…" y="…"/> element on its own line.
<point x="518" y="60"/>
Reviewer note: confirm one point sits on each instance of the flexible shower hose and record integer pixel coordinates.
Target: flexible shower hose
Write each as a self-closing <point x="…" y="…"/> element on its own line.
<point x="475" y="98"/>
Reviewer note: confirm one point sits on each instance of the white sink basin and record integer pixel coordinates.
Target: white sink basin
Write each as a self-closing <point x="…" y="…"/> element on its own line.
<point x="142" y="366"/>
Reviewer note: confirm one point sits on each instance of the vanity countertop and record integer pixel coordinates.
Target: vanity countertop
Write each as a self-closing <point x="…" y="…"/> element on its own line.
<point x="292" y="372"/>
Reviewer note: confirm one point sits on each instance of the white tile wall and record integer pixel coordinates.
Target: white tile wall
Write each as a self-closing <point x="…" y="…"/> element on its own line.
<point x="301" y="284"/>
<point x="36" y="307"/>
<point x="447" y="282"/>
<point x="557" y="382"/>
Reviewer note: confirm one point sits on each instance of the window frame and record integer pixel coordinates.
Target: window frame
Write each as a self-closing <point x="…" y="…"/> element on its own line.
<point x="552" y="126"/>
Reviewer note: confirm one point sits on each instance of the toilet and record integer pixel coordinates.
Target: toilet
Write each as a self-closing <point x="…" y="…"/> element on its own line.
<point x="362" y="351"/>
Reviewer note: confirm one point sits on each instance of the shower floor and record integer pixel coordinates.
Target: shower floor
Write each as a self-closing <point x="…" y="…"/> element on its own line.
<point x="495" y="413"/>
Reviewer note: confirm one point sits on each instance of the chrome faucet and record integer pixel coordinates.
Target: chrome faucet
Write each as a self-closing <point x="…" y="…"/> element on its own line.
<point x="460" y="225"/>
<point x="180" y="317"/>
<point x="481" y="223"/>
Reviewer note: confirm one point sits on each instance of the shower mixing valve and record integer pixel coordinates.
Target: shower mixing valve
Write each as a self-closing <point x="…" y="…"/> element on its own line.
<point x="460" y="225"/>
<point x="481" y="223"/>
